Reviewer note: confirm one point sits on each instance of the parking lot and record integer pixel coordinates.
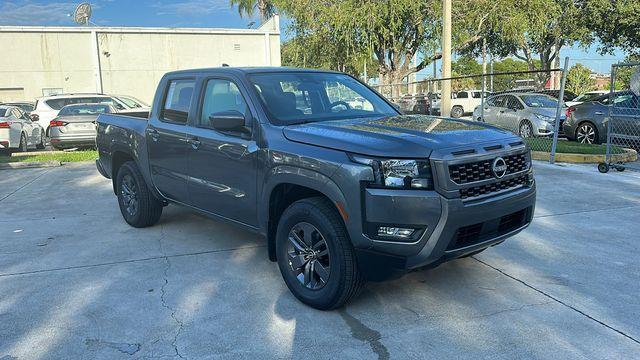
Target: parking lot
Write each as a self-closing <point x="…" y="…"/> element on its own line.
<point x="77" y="282"/>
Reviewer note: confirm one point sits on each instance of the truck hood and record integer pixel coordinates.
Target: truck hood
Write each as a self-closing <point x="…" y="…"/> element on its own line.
<point x="403" y="136"/>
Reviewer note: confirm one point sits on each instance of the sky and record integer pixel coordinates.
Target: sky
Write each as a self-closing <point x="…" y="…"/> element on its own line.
<point x="194" y="13"/>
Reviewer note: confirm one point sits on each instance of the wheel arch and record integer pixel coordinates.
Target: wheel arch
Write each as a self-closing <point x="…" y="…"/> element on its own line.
<point x="283" y="189"/>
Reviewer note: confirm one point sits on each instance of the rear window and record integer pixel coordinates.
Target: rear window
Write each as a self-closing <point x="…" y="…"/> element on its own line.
<point x="3" y="112"/>
<point x="57" y="104"/>
<point x="79" y="110"/>
<point x="178" y="100"/>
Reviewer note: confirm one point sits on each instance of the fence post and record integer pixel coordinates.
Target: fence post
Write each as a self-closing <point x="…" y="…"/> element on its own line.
<point x="484" y="87"/>
<point x="607" y="156"/>
<point x="552" y="158"/>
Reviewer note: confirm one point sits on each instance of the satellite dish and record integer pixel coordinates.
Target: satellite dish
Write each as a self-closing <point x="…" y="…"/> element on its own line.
<point x="82" y="14"/>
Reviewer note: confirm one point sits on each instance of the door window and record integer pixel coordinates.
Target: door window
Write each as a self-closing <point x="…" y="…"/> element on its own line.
<point x="513" y="103"/>
<point x="462" y="95"/>
<point x="221" y="96"/>
<point x="177" y="101"/>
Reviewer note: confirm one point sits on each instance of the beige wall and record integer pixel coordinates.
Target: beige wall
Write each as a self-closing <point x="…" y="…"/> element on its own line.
<point x="131" y="61"/>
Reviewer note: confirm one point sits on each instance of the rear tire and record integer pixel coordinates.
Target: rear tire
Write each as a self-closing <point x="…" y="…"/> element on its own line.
<point x="23" y="144"/>
<point x="138" y="206"/>
<point x="325" y="243"/>
<point x="587" y="133"/>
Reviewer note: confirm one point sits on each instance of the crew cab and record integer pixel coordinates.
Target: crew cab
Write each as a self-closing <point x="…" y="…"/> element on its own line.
<point x="341" y="194"/>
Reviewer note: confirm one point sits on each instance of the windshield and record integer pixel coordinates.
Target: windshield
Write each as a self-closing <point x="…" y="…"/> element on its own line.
<point x="294" y="98"/>
<point x="539" y="101"/>
<point x="79" y="110"/>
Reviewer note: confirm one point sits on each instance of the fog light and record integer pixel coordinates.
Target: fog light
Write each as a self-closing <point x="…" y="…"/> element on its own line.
<point x="395" y="232"/>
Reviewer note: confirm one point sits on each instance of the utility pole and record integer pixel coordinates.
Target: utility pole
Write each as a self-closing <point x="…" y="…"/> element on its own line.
<point x="445" y="102"/>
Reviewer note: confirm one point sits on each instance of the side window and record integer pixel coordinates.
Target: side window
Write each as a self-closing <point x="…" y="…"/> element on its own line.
<point x="463" y="95"/>
<point x="476" y="94"/>
<point x="177" y="101"/>
<point x="513" y="103"/>
<point x="221" y="96"/>
<point x="499" y="101"/>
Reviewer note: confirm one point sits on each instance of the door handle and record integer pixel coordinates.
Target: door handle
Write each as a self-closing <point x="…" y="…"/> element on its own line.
<point x="153" y="133"/>
<point x="599" y="113"/>
<point x="193" y="140"/>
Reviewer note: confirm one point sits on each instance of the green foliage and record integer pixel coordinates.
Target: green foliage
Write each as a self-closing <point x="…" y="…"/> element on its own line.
<point x="624" y="73"/>
<point x="62" y="156"/>
<point x="615" y="23"/>
<point x="579" y="79"/>
<point x="265" y="8"/>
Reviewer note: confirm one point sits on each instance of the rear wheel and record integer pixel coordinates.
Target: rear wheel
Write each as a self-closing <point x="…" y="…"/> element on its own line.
<point x="586" y="133"/>
<point x="138" y="206"/>
<point x="315" y="255"/>
<point x="23" y="143"/>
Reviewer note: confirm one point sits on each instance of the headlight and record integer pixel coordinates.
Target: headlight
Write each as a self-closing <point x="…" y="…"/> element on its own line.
<point x="549" y="119"/>
<point x="399" y="173"/>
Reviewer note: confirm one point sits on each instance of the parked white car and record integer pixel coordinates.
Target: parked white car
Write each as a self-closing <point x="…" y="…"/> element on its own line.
<point x="18" y="132"/>
<point x="47" y="107"/>
<point x="588" y="96"/>
<point x="462" y="102"/>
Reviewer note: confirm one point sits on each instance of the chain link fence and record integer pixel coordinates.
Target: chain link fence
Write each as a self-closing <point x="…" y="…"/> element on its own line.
<point x="526" y="103"/>
<point x="622" y="118"/>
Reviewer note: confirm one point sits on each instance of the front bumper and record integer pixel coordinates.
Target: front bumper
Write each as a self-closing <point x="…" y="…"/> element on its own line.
<point x="452" y="228"/>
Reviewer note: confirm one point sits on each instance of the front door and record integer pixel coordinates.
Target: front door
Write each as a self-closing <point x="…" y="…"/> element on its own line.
<point x="222" y="164"/>
<point x="166" y="140"/>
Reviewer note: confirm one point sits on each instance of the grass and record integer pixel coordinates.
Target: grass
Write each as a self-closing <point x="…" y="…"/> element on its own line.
<point x="62" y="156"/>
<point x="571" y="147"/>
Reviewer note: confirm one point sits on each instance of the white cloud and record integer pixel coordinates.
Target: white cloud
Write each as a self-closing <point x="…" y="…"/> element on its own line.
<point x="28" y="13"/>
<point x="193" y="8"/>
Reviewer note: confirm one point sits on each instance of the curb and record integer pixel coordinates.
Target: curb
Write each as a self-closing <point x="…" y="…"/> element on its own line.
<point x="629" y="155"/>
<point x="30" y="153"/>
<point x="30" y="165"/>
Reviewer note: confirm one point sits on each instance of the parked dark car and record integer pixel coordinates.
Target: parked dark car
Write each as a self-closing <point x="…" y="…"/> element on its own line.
<point x="75" y="125"/>
<point x="341" y="194"/>
<point x="586" y="122"/>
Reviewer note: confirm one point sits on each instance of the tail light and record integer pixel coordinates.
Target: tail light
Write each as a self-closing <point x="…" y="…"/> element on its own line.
<point x="570" y="109"/>
<point x="4" y="125"/>
<point x="56" y="122"/>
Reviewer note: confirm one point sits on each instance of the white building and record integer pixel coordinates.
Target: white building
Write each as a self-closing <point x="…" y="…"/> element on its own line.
<point x="37" y="61"/>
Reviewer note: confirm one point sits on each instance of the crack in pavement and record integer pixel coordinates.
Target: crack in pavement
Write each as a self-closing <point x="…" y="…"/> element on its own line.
<point x="361" y="332"/>
<point x="620" y="332"/>
<point x="26" y="184"/>
<point x="125" y="348"/>
<point x="586" y="211"/>
<point x="419" y="315"/>
<point x="151" y="258"/>
<point x="163" y="293"/>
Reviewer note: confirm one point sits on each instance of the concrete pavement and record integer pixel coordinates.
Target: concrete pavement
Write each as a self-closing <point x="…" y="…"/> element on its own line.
<point x="77" y="282"/>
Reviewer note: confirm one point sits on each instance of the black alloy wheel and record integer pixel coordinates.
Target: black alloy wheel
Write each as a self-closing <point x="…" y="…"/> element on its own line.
<point x="308" y="254"/>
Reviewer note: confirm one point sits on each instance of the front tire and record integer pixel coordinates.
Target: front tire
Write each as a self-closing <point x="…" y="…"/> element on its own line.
<point x="457" y="111"/>
<point x="138" y="206"/>
<point x="525" y="130"/>
<point x="315" y="255"/>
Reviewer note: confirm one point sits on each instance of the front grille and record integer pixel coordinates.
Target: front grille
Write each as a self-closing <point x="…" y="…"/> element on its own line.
<point x="481" y="170"/>
<point x="477" y="233"/>
<point x="493" y="187"/>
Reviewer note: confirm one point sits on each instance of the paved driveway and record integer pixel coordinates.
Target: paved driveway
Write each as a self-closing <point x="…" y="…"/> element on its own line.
<point x="77" y="282"/>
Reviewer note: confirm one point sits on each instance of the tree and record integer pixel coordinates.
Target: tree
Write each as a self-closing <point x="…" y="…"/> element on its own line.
<point x="579" y="79"/>
<point x="392" y="31"/>
<point x="265" y="8"/>
<point x="535" y="31"/>
<point x="615" y="23"/>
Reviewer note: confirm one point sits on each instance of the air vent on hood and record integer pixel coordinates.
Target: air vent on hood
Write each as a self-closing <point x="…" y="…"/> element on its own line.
<point x="515" y="144"/>
<point x="464" y="152"/>
<point x="493" y="147"/>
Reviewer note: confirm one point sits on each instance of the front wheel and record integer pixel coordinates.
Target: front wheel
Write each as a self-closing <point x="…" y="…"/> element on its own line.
<point x="457" y="112"/>
<point x="138" y="206"/>
<point x="315" y="255"/>
<point x="526" y="130"/>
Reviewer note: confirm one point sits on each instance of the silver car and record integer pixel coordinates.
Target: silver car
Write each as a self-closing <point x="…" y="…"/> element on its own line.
<point x="526" y="114"/>
<point x="17" y="131"/>
<point x="75" y="125"/>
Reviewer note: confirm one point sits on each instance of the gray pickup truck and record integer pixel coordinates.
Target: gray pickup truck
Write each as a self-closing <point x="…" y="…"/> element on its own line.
<point x="343" y="187"/>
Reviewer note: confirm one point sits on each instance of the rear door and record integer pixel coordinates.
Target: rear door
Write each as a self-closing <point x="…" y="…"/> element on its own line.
<point x="222" y="164"/>
<point x="511" y="114"/>
<point x="625" y="113"/>
<point x="166" y="139"/>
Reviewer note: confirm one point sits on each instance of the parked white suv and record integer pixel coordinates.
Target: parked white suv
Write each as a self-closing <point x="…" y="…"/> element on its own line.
<point x="47" y="107"/>
<point x="462" y="102"/>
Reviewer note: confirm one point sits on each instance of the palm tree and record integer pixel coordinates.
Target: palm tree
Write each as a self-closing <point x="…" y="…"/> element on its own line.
<point x="247" y="7"/>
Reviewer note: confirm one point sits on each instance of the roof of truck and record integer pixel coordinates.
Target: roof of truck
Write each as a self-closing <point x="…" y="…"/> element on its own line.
<point x="248" y="70"/>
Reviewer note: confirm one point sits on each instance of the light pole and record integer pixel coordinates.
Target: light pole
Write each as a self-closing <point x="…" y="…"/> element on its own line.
<point x="445" y="102"/>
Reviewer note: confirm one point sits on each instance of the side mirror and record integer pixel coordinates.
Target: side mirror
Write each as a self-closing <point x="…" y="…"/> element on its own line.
<point x="228" y="120"/>
<point x="34" y="117"/>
